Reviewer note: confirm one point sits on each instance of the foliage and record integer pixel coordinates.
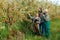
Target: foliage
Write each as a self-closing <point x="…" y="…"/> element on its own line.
<point x="13" y="16"/>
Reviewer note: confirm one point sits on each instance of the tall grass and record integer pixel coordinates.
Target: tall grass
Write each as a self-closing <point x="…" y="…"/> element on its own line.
<point x="14" y="18"/>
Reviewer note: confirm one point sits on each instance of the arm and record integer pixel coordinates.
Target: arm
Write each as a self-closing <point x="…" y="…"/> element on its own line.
<point x="31" y="16"/>
<point x="46" y="17"/>
<point x="38" y="20"/>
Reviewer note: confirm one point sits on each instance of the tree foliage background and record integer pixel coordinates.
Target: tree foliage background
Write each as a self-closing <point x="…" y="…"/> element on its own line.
<point x="13" y="15"/>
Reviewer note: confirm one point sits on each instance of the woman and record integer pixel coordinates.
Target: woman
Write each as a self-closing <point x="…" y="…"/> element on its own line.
<point x="36" y="21"/>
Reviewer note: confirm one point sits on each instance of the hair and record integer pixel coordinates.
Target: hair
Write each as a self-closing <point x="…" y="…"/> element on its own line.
<point x="37" y="14"/>
<point x="40" y="10"/>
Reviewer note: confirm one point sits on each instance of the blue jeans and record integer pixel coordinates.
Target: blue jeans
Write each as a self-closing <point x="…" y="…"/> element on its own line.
<point x="42" y="28"/>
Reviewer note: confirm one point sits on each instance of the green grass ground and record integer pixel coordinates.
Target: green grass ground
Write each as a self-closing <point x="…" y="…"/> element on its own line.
<point x="54" y="32"/>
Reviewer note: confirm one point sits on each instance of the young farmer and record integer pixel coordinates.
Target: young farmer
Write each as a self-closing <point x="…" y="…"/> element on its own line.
<point x="42" y="24"/>
<point x="47" y="22"/>
<point x="36" y="22"/>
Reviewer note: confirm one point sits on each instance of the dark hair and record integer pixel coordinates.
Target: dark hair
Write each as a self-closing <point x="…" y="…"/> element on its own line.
<point x="40" y="11"/>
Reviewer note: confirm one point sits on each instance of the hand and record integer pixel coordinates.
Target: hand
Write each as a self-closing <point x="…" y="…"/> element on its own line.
<point x="28" y="13"/>
<point x="43" y="15"/>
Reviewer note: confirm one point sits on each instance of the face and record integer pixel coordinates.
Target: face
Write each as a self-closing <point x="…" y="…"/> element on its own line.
<point x="44" y="13"/>
<point x="37" y="15"/>
<point x="40" y="10"/>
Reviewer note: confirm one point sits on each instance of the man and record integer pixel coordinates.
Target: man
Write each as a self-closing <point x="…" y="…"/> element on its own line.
<point x="42" y="24"/>
<point x="47" y="22"/>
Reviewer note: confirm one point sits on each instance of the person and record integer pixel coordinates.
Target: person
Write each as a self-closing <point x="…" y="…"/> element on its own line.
<point x="42" y="24"/>
<point x="47" y="22"/>
<point x="36" y="22"/>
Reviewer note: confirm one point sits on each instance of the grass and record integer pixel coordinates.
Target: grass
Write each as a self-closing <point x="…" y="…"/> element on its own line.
<point x="54" y="33"/>
<point x="19" y="9"/>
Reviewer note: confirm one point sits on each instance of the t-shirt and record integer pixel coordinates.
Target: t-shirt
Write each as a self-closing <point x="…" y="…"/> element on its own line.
<point x="41" y="16"/>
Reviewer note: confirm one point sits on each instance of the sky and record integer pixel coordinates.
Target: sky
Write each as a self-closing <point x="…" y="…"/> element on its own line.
<point x="53" y="1"/>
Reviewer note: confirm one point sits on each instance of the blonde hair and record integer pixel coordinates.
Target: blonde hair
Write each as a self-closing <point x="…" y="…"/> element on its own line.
<point x="45" y="10"/>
